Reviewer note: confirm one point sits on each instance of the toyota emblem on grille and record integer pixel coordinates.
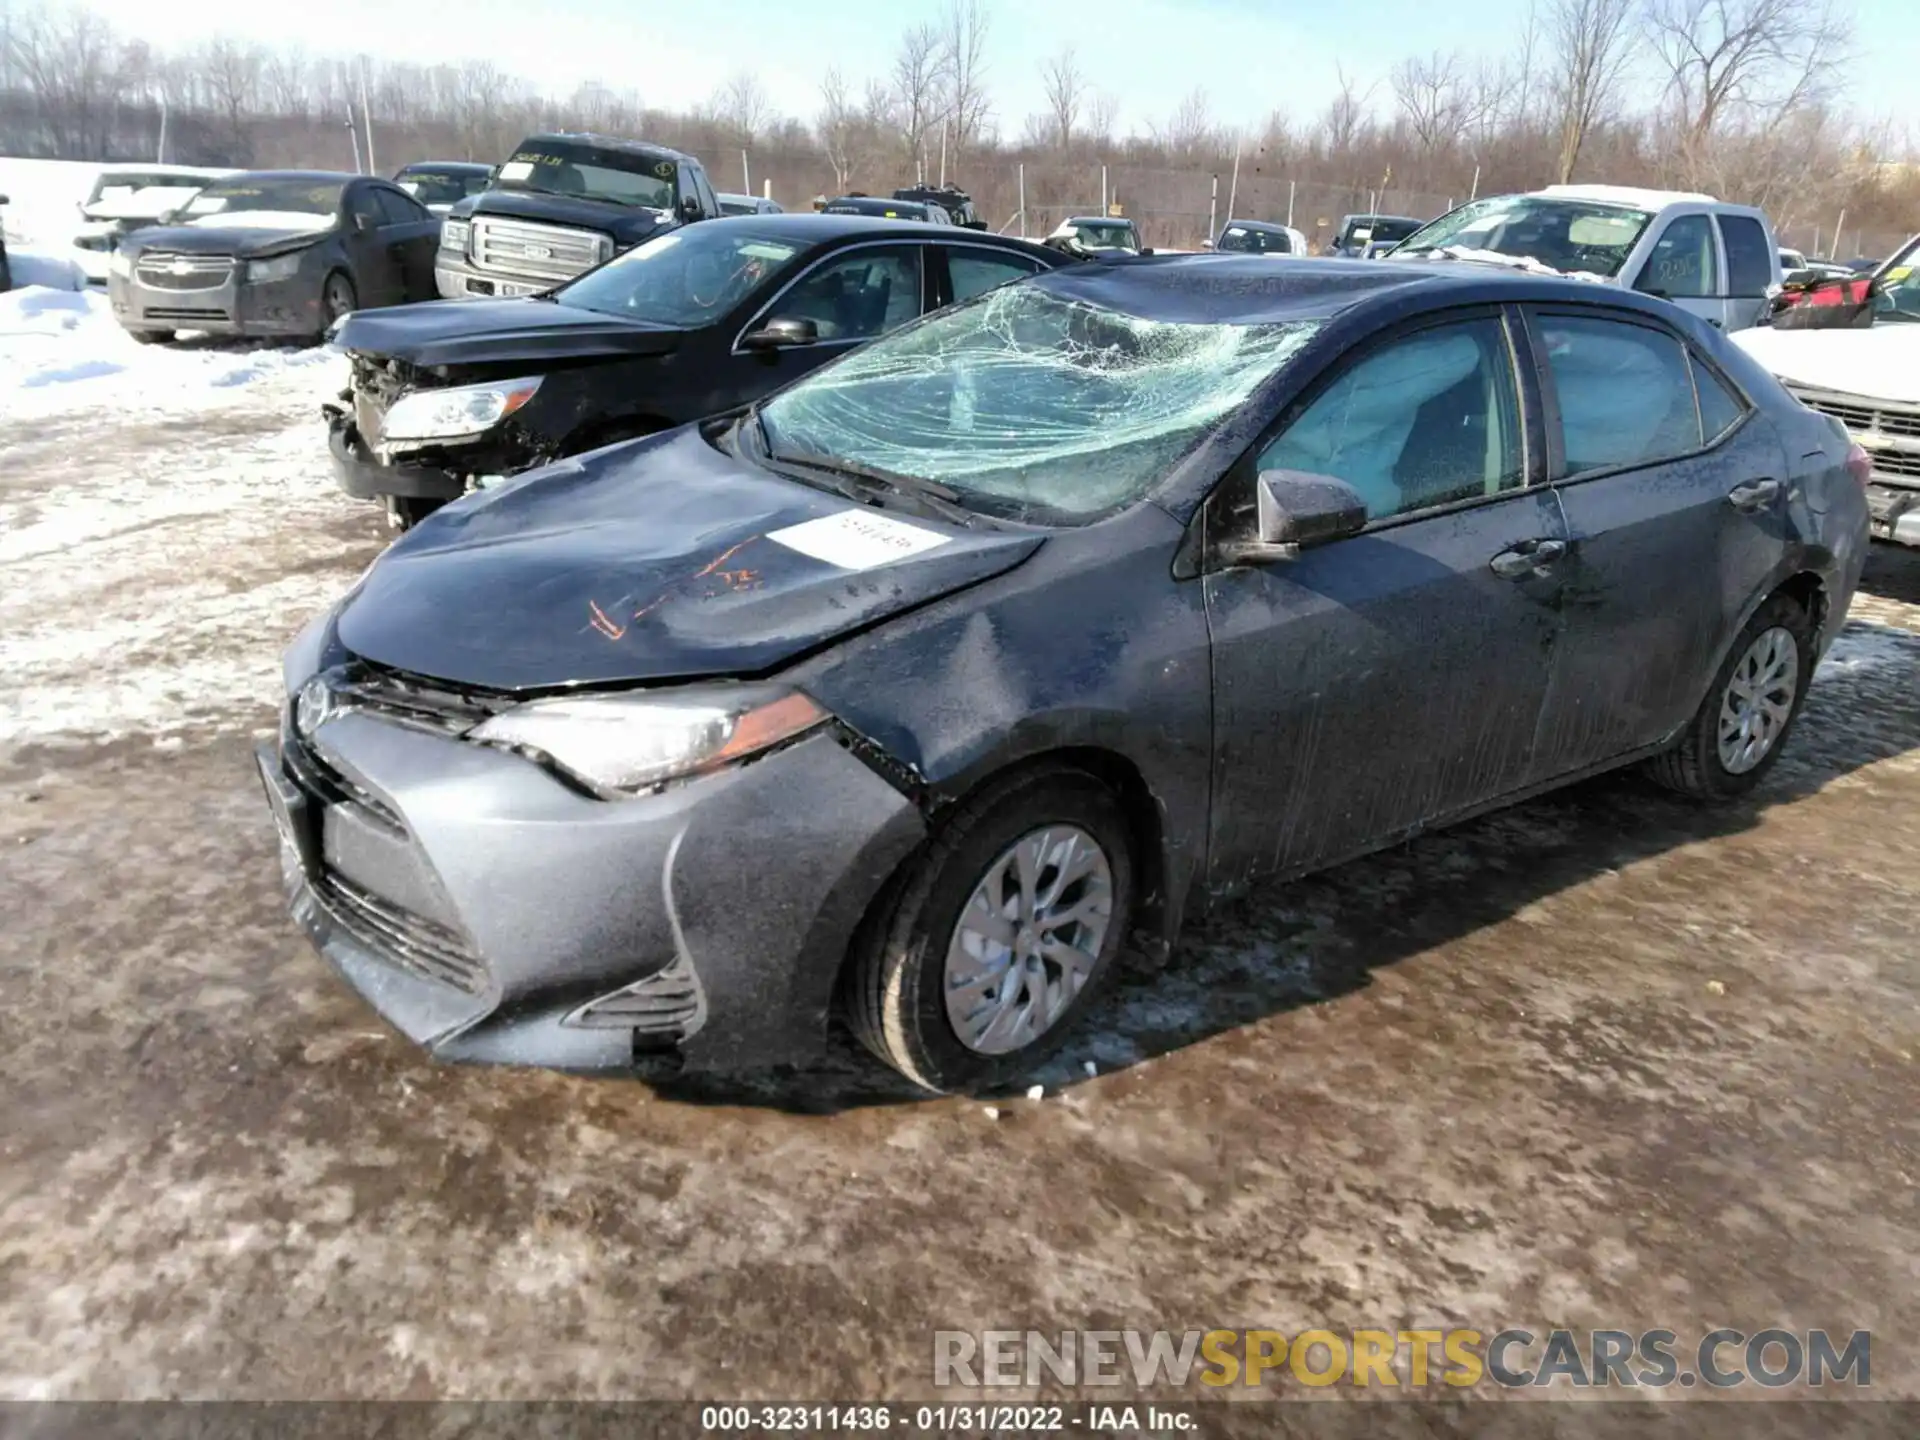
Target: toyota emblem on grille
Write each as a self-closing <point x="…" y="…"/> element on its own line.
<point x="314" y="707"/>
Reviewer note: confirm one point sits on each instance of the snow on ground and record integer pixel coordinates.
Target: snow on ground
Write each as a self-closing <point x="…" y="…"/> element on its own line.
<point x="41" y="217"/>
<point x="167" y="521"/>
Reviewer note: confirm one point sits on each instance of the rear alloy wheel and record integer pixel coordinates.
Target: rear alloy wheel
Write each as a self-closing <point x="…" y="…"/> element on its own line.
<point x="337" y="297"/>
<point x="1002" y="933"/>
<point x="1736" y="735"/>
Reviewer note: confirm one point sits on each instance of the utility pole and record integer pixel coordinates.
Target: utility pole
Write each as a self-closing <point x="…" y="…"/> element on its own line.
<point x="1233" y="189"/>
<point x="1213" y="209"/>
<point x="943" y="154"/>
<point x="1023" y="199"/>
<point x="366" y="113"/>
<point x="746" y="180"/>
<point x="160" y="155"/>
<point x="1291" y="184"/>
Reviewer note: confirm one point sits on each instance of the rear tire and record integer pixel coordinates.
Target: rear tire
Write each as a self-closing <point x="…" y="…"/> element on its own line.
<point x="1041" y="859"/>
<point x="1738" y="732"/>
<point x="151" y="337"/>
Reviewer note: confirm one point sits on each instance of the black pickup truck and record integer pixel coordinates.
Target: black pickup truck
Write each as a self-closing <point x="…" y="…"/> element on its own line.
<point x="561" y="204"/>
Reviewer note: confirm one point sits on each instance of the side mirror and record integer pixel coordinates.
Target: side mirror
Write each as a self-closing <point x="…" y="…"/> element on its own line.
<point x="1147" y="251"/>
<point x="690" y="208"/>
<point x="781" y="333"/>
<point x="362" y="223"/>
<point x="1296" y="509"/>
<point x="170" y="217"/>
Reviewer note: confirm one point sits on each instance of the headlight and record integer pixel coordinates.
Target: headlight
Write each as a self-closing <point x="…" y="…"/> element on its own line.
<point x="120" y="263"/>
<point x="453" y="235"/>
<point x="452" y="414"/>
<point x="624" y="743"/>
<point x="281" y="267"/>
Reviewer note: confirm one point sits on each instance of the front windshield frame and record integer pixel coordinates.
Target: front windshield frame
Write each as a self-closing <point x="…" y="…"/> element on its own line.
<point x="1446" y="232"/>
<point x="320" y="197"/>
<point x="724" y="256"/>
<point x="1026" y="427"/>
<point x="540" y="158"/>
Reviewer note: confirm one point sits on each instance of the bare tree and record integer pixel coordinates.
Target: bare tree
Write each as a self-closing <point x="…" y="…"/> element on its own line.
<point x="917" y="66"/>
<point x="1430" y="92"/>
<point x="1189" y="131"/>
<point x="743" y="108"/>
<point x="1103" y="114"/>
<point x="1728" y="59"/>
<point x="963" y="52"/>
<point x="1345" y="114"/>
<point x="836" y="126"/>
<point x="1587" y="52"/>
<point x="1066" y="90"/>
<point x="66" y="60"/>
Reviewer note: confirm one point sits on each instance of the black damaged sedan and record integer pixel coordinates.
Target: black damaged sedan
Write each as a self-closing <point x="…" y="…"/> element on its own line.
<point x="703" y="318"/>
<point x="1020" y="637"/>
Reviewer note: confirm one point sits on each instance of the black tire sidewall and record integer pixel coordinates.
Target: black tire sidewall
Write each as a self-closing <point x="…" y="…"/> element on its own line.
<point x="1064" y="798"/>
<point x="337" y="277"/>
<point x="1781" y="612"/>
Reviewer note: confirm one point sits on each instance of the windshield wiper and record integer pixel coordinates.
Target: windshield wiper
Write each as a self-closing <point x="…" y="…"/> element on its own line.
<point x="929" y="494"/>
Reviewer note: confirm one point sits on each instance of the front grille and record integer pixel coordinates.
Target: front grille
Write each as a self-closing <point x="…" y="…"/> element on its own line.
<point x="669" y="1006"/>
<point x="400" y="937"/>
<point x="185" y="314"/>
<point x="539" y="252"/>
<point x="406" y="700"/>
<point x="1895" y="462"/>
<point x="160" y="271"/>
<point x="1864" y="417"/>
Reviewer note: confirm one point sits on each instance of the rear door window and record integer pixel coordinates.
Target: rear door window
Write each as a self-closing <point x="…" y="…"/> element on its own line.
<point x="399" y="209"/>
<point x="1625" y="395"/>
<point x="1749" y="270"/>
<point x="858" y="295"/>
<point x="976" y="271"/>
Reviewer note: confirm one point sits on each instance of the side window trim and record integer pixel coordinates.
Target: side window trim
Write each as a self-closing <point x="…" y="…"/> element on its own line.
<point x="1517" y="357"/>
<point x="1550" y="391"/>
<point x="832" y="257"/>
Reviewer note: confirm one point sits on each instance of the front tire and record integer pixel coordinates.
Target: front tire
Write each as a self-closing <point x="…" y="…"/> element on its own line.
<point x="1742" y="725"/>
<point x="1003" y="933"/>
<point x="151" y="337"/>
<point x="337" y="297"/>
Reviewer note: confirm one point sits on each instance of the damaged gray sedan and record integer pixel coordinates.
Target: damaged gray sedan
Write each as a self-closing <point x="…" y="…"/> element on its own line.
<point x="925" y="688"/>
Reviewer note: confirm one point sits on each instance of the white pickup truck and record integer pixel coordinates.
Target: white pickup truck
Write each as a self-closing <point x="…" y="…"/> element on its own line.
<point x="1715" y="259"/>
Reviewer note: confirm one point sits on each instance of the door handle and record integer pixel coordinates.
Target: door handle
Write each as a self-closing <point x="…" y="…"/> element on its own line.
<point x="1756" y="495"/>
<point x="1526" y="558"/>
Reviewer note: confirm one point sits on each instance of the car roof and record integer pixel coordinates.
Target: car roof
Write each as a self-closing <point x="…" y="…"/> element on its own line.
<point x="737" y="195"/>
<point x="1630" y="196"/>
<point x="339" y="176"/>
<point x="813" y="228"/>
<point x="879" y="202"/>
<point x="609" y="142"/>
<point x="451" y="167"/>
<point x="1376" y="215"/>
<point x="1227" y="289"/>
<point x="1272" y="227"/>
<point x="1098" y="220"/>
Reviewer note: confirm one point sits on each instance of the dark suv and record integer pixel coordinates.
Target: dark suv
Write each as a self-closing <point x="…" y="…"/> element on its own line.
<point x="562" y="204"/>
<point x="954" y="201"/>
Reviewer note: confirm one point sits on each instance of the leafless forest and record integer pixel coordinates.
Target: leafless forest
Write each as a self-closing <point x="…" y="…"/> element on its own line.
<point x="1747" y="99"/>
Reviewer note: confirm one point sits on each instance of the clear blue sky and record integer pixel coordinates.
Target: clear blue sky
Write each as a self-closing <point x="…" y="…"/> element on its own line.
<point x="1251" y="56"/>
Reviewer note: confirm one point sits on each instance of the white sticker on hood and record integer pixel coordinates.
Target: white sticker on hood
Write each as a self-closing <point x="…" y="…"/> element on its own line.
<point x="857" y="539"/>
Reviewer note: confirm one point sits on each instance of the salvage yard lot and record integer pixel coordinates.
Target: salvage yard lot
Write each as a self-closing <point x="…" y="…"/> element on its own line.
<point x="1602" y="1060"/>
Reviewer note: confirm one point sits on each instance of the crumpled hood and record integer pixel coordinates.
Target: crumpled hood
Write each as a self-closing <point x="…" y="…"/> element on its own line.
<point x="659" y="559"/>
<point x="206" y="239"/>
<point x="449" y="332"/>
<point x="1881" y="362"/>
<point x="627" y="224"/>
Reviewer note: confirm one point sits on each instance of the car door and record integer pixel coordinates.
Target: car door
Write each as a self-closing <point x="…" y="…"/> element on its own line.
<point x="1379" y="682"/>
<point x="851" y="295"/>
<point x="1672" y="485"/>
<point x="378" y="275"/>
<point x="1683" y="265"/>
<point x="412" y="235"/>
<point x="1752" y="268"/>
<point x="971" y="270"/>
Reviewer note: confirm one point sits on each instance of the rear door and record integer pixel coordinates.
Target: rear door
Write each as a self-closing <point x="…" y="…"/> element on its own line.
<point x="379" y="275"/>
<point x="1752" y="268"/>
<point x="1672" y="484"/>
<point x="412" y="236"/>
<point x="1684" y="266"/>
<point x="1374" y="684"/>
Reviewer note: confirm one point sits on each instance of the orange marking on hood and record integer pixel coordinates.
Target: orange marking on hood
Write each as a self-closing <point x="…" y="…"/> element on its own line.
<point x="600" y="622"/>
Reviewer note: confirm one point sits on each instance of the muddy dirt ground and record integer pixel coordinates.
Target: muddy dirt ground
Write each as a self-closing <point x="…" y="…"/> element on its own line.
<point x="1604" y="1060"/>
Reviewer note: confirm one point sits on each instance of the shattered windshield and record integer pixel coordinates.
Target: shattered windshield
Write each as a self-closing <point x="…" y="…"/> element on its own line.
<point x="589" y="172"/>
<point x="1028" y="405"/>
<point x="1574" y="236"/>
<point x="684" y="278"/>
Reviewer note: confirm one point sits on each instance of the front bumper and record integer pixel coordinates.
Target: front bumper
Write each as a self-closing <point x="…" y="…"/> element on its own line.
<point x="233" y="307"/>
<point x="492" y="914"/>
<point x="459" y="279"/>
<point x="363" y="476"/>
<point x="1894" y="512"/>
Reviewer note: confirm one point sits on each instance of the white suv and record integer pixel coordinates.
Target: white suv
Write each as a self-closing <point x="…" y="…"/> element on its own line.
<point x="1717" y="260"/>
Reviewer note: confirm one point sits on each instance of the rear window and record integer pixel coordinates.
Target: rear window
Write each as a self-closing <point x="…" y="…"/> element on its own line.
<point x="1749" y="271"/>
<point x="1720" y="408"/>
